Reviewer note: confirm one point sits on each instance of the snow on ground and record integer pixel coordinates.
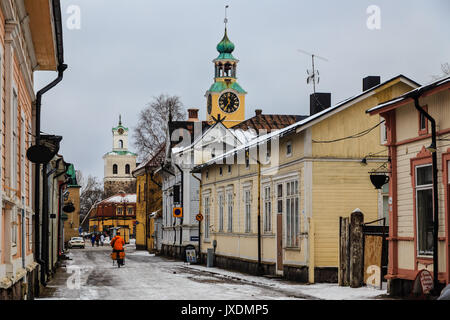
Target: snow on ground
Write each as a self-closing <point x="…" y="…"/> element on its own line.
<point x="327" y="291"/>
<point x="90" y="275"/>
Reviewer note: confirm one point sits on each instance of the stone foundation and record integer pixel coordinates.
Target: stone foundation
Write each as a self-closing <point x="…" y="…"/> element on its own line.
<point x="22" y="289"/>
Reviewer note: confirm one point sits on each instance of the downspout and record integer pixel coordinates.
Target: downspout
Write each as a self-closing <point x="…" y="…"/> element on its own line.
<point x="61" y="68"/>
<point x="433" y="149"/>
<point x="146" y="208"/>
<point x="173" y="226"/>
<point x="199" y="223"/>
<point x="160" y="186"/>
<point x="259" y="219"/>
<point x="182" y="198"/>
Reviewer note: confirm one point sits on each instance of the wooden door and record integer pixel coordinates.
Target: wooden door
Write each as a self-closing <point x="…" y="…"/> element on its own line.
<point x="279" y="242"/>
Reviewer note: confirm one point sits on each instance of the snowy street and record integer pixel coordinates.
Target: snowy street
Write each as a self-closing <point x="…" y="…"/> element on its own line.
<point x="90" y="275"/>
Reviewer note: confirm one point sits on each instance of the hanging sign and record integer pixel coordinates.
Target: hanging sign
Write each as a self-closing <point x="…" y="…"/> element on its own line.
<point x="199" y="217"/>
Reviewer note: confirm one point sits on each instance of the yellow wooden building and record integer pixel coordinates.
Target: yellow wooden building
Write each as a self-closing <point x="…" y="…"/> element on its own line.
<point x="318" y="172"/>
<point x="148" y="202"/>
<point x="114" y="213"/>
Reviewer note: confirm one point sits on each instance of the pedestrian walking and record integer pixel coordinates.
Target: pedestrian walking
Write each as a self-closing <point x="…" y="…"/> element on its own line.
<point x="93" y="239"/>
<point x="102" y="239"/>
<point x="97" y="239"/>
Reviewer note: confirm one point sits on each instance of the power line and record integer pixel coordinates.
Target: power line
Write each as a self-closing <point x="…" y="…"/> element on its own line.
<point x="357" y="135"/>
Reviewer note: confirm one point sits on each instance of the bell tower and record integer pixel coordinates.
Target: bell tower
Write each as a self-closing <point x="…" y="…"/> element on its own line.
<point x="225" y="97"/>
<point x="119" y="164"/>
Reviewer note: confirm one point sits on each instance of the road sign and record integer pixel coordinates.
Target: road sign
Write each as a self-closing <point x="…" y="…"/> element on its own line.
<point x="194" y="238"/>
<point x="199" y="217"/>
<point x="178" y="212"/>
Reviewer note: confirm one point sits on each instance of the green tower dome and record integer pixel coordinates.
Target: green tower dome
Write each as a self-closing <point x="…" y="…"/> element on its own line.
<point x="225" y="46"/>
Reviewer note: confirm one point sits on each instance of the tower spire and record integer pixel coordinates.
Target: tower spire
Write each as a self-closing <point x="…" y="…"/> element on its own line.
<point x="120" y="119"/>
<point x="226" y="18"/>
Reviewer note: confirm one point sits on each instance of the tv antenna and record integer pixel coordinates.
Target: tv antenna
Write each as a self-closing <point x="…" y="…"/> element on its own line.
<point x="313" y="75"/>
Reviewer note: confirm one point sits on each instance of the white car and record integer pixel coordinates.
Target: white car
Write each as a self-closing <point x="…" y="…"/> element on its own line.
<point x="76" y="242"/>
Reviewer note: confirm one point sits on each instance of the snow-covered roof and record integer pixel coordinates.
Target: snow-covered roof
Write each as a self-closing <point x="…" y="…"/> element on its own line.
<point x="412" y="93"/>
<point x="300" y="125"/>
<point x="121" y="197"/>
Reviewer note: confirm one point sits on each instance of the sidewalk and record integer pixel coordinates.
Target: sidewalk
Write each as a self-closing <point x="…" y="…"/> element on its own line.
<point x="326" y="291"/>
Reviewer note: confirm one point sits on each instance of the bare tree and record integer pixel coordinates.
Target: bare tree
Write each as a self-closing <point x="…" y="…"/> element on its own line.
<point x="445" y="68"/>
<point x="150" y="133"/>
<point x="91" y="192"/>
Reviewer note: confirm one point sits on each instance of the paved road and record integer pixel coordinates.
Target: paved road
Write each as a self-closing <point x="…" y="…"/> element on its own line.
<point x="90" y="275"/>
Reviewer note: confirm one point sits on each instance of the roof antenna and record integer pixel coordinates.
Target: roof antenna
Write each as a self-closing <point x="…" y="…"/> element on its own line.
<point x="313" y="75"/>
<point x="226" y="19"/>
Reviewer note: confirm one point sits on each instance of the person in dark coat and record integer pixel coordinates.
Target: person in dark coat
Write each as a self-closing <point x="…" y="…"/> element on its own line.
<point x="93" y="239"/>
<point x="97" y="240"/>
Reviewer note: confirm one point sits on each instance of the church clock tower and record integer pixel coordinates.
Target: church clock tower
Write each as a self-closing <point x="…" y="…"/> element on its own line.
<point x="225" y="97"/>
<point x="119" y="164"/>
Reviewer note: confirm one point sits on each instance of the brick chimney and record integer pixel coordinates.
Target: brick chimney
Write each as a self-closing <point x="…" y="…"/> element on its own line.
<point x="193" y="115"/>
<point x="258" y="112"/>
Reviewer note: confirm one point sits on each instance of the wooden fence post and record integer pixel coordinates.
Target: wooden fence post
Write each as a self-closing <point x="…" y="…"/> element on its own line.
<point x="356" y="249"/>
<point x="344" y="259"/>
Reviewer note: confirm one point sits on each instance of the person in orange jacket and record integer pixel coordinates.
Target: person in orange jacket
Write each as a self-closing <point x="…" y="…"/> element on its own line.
<point x="117" y="244"/>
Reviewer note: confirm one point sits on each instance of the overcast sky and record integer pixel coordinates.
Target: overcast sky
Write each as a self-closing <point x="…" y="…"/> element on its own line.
<point x="127" y="52"/>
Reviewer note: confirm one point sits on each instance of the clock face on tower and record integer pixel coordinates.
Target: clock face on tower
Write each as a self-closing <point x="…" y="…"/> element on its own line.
<point x="120" y="131"/>
<point x="229" y="102"/>
<point x="209" y="105"/>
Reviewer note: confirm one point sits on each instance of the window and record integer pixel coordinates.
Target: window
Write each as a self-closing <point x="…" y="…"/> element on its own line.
<point x="230" y="211"/>
<point x="115" y="169"/>
<point x="292" y="214"/>
<point x="383" y="133"/>
<point x="139" y="193"/>
<point x="207" y="217"/>
<point x="119" y="211"/>
<point x="130" y="211"/>
<point x="221" y="171"/>
<point x="267" y="210"/>
<point x="424" y="209"/>
<point x="120" y="144"/>
<point x="289" y="148"/>
<point x="385" y="203"/>
<point x="280" y="198"/>
<point x="14" y="227"/>
<point x="127" y="169"/>
<point x="221" y="204"/>
<point x="15" y="136"/>
<point x="229" y="168"/>
<point x="207" y="174"/>
<point x="247" y="161"/>
<point x="423" y="122"/>
<point x="247" y="201"/>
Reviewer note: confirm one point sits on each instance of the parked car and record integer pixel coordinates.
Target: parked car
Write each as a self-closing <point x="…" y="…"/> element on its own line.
<point x="76" y="242"/>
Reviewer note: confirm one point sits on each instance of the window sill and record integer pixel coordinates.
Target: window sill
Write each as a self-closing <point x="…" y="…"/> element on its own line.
<point x="292" y="249"/>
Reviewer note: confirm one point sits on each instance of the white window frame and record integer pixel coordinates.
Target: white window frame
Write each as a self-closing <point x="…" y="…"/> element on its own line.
<point x="14" y="136"/>
<point x="230" y="210"/>
<point x="268" y="209"/>
<point x="207" y="209"/>
<point x="248" y="210"/>
<point x="417" y="189"/>
<point x="221" y="207"/>
<point x="383" y="132"/>
<point x="289" y="144"/>
<point x="292" y="205"/>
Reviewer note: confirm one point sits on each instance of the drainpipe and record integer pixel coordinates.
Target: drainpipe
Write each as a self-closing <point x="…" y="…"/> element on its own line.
<point x="259" y="219"/>
<point x="433" y="149"/>
<point x="182" y="198"/>
<point x="160" y="186"/>
<point x="39" y="94"/>
<point x="199" y="223"/>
